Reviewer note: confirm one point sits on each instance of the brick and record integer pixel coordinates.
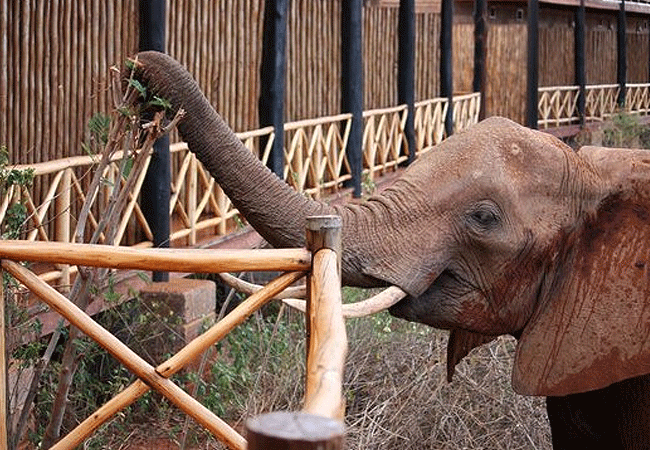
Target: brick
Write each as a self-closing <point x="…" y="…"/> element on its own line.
<point x="186" y="298"/>
<point x="186" y="305"/>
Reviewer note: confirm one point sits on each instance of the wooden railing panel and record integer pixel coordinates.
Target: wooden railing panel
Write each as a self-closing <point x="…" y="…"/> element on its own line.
<point x="11" y="252"/>
<point x="466" y="109"/>
<point x="637" y="98"/>
<point x="383" y="136"/>
<point x="601" y="101"/>
<point x="558" y="106"/>
<point x="429" y="123"/>
<point x="315" y="154"/>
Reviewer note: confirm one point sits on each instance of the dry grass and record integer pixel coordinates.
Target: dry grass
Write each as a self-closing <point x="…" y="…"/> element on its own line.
<point x="399" y="397"/>
<point x="396" y="388"/>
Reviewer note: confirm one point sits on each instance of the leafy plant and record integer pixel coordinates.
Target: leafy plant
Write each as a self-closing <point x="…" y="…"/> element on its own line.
<point x="16" y="214"/>
<point x="625" y="130"/>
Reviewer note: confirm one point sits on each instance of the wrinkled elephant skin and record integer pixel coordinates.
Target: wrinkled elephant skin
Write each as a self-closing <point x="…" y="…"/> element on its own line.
<point x="499" y="230"/>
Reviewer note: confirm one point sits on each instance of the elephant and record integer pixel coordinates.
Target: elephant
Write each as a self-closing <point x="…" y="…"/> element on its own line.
<point x="501" y="230"/>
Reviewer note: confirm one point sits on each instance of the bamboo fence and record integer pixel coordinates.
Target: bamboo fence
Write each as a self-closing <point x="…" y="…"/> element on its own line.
<point x="323" y="269"/>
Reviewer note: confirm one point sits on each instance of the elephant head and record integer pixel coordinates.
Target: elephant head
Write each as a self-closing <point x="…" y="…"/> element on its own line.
<point x="499" y="230"/>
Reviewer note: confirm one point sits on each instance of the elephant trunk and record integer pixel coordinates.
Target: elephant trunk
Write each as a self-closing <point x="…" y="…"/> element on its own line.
<point x="275" y="210"/>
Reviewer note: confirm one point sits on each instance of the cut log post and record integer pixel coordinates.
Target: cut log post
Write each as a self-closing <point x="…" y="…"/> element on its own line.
<point x="320" y="424"/>
<point x="327" y="346"/>
<point x="294" y="431"/>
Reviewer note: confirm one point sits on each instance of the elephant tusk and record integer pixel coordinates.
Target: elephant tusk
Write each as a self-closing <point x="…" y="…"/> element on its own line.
<point x="293" y="297"/>
<point x="385" y="299"/>
<point x="250" y="288"/>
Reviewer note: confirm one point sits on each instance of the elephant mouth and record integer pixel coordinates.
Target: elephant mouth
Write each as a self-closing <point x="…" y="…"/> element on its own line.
<point x="431" y="307"/>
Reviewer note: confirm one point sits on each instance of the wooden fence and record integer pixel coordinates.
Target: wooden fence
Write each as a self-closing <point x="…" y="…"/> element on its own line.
<point x="315" y="164"/>
<point x="557" y="105"/>
<point x="327" y="343"/>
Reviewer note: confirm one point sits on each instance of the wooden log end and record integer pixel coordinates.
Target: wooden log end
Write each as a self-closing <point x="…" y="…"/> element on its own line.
<point x="283" y="430"/>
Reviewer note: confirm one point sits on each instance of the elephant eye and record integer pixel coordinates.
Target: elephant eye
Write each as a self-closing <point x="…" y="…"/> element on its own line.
<point x="484" y="217"/>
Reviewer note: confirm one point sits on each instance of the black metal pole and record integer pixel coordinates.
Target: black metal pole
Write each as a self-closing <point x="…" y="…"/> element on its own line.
<point x="533" y="64"/>
<point x="271" y="104"/>
<point x="446" y="61"/>
<point x="621" y="57"/>
<point x="155" y="192"/>
<point x="480" y="51"/>
<point x="579" y="50"/>
<point x="352" y="84"/>
<point x="406" y="69"/>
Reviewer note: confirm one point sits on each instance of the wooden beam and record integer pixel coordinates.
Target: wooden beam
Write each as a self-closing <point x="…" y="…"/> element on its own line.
<point x="480" y="51"/>
<point x="621" y="52"/>
<point x="447" y="61"/>
<point x="406" y="69"/>
<point x="155" y="192"/>
<point x="272" y="79"/>
<point x="171" y="259"/>
<point x="579" y="57"/>
<point x="352" y="85"/>
<point x="532" y="67"/>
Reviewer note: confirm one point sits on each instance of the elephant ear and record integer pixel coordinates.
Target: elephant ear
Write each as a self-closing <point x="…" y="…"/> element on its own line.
<point x="592" y="328"/>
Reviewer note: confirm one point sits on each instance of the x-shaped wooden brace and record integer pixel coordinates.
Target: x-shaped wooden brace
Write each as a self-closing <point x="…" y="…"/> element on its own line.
<point x="150" y="377"/>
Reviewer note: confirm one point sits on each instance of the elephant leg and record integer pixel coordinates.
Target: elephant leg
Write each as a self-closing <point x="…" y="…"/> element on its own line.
<point x="615" y="417"/>
<point x="634" y="410"/>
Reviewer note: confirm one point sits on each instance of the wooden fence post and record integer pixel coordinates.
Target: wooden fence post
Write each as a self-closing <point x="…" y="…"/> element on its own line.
<point x="621" y="53"/>
<point x="327" y="345"/>
<point x="155" y="192"/>
<point x="579" y="57"/>
<point x="532" y="71"/>
<point x="406" y="71"/>
<point x="320" y="425"/>
<point x="480" y="52"/>
<point x="272" y="78"/>
<point x="446" y="61"/>
<point x="63" y="230"/>
<point x="4" y="407"/>
<point x="352" y="85"/>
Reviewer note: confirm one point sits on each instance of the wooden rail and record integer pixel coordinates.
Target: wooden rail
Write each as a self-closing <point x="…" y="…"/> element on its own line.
<point x="325" y="339"/>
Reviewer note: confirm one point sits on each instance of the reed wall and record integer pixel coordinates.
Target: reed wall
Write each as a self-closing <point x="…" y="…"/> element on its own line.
<point x="556" y="47"/>
<point x="506" y="62"/>
<point x="600" y="48"/>
<point x="638" y="43"/>
<point x="55" y="58"/>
